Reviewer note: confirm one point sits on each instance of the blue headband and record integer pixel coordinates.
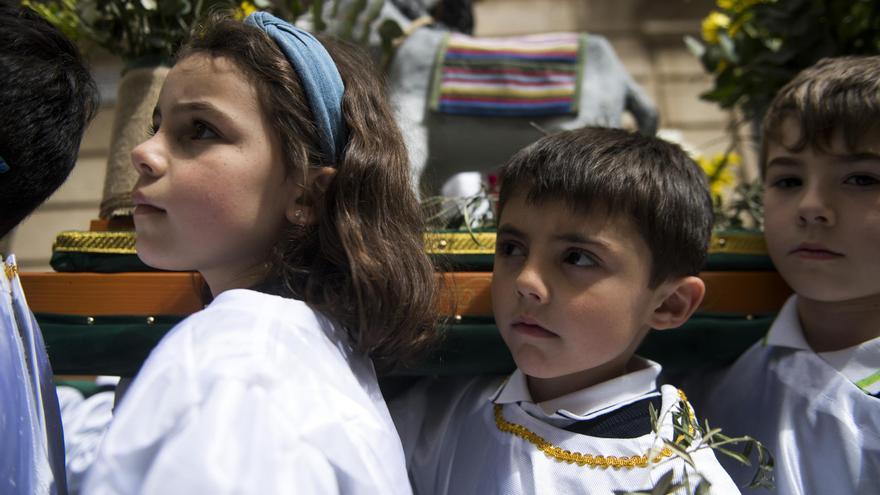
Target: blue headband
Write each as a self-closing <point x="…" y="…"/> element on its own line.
<point x="318" y="73"/>
<point x="4" y="167"/>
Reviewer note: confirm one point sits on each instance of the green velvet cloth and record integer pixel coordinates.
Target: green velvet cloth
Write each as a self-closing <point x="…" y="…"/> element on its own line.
<point x="118" y="345"/>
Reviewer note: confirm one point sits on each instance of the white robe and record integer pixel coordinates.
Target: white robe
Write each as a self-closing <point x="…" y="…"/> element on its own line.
<point x="31" y="441"/>
<point x="254" y="394"/>
<point x="453" y="445"/>
<point x="823" y="430"/>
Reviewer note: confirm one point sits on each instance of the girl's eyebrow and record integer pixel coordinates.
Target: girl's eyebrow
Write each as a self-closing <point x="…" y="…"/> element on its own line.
<point x="198" y="106"/>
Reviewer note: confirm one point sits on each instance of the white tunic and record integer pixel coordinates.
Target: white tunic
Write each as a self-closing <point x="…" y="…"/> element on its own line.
<point x="453" y="444"/>
<point x="823" y="430"/>
<point x="32" y="448"/>
<point x="254" y="394"/>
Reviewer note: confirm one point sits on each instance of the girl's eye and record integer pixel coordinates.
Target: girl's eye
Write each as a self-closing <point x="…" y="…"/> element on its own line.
<point x="786" y="182"/>
<point x="507" y="248"/>
<point x="202" y="131"/>
<point x="579" y="258"/>
<point x="153" y="129"/>
<point x="861" y="180"/>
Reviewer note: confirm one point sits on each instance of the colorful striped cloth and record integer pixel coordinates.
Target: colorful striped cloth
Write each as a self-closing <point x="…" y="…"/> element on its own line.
<point x="523" y="76"/>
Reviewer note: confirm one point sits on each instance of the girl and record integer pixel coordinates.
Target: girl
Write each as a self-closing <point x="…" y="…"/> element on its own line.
<point x="275" y="169"/>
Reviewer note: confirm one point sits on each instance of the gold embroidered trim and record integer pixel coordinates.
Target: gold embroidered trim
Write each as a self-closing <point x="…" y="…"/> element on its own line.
<point x="11" y="271"/>
<point x="112" y="242"/>
<point x="581" y="459"/>
<point x="460" y="242"/>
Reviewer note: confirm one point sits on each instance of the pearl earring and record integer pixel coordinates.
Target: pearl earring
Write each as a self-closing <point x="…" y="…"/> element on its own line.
<point x="298" y="214"/>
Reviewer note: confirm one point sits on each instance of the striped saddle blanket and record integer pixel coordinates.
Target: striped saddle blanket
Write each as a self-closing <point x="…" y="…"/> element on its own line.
<point x="536" y="75"/>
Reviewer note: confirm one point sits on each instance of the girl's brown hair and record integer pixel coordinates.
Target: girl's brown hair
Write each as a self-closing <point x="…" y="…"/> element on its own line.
<point x="363" y="262"/>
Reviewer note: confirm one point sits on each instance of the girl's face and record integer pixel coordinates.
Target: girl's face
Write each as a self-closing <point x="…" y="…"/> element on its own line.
<point x="212" y="195"/>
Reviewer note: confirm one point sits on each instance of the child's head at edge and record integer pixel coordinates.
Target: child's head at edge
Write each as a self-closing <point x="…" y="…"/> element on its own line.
<point x="48" y="99"/>
<point x="356" y="253"/>
<point x="820" y="162"/>
<point x="601" y="235"/>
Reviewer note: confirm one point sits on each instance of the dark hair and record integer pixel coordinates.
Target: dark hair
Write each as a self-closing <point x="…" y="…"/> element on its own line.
<point x="651" y="181"/>
<point x="47" y="99"/>
<point x="840" y="94"/>
<point x="364" y="262"/>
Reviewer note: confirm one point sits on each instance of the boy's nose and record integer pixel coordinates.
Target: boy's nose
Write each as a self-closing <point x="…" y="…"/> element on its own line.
<point x="147" y="158"/>
<point x="815" y="208"/>
<point x="530" y="284"/>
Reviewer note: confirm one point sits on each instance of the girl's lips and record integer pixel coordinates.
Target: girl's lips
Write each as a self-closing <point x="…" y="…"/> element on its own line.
<point x="533" y="330"/>
<point x="145" y="209"/>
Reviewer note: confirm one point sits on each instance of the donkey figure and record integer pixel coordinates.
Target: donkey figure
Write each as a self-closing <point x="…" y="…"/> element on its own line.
<point x="442" y="145"/>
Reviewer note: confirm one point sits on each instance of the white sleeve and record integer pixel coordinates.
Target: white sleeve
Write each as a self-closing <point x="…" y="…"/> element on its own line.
<point x="234" y="440"/>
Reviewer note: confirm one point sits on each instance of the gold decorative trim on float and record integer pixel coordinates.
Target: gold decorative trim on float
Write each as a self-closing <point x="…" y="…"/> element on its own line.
<point x="114" y="242"/>
<point x="737" y="243"/>
<point x="451" y="243"/>
<point x="460" y="242"/>
<point x="749" y="243"/>
<point x="600" y="461"/>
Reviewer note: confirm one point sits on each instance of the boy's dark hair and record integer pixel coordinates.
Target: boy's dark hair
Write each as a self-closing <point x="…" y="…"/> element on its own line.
<point x="840" y="94"/>
<point x="364" y="263"/>
<point x="47" y="99"/>
<point x="646" y="179"/>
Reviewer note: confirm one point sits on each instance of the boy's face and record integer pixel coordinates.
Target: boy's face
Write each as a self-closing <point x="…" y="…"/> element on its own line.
<point x="822" y="217"/>
<point x="570" y="291"/>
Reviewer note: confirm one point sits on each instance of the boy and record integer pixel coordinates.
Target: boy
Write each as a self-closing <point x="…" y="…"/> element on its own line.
<point x="47" y="98"/>
<point x="809" y="389"/>
<point x="601" y="233"/>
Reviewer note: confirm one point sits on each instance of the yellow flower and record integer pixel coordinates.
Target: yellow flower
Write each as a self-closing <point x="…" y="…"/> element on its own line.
<point x="719" y="170"/>
<point x="244" y="9"/>
<point x="713" y="23"/>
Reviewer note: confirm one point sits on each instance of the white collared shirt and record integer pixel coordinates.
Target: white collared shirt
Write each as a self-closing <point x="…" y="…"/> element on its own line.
<point x="822" y="429"/>
<point x="586" y="403"/>
<point x="860" y="364"/>
<point x="454" y="443"/>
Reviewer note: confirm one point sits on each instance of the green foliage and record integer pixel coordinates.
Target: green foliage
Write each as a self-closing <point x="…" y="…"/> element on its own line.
<point x="690" y="437"/>
<point x="754" y="47"/>
<point x="151" y="31"/>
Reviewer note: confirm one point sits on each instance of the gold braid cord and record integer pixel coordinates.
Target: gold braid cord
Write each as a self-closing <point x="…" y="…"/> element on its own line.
<point x="560" y="455"/>
<point x="10" y="270"/>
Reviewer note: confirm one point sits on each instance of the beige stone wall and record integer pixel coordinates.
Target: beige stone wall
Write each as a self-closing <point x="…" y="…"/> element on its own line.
<point x="647" y="36"/>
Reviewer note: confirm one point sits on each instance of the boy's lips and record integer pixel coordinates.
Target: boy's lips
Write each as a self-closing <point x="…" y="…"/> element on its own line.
<point x="531" y="327"/>
<point x="810" y="250"/>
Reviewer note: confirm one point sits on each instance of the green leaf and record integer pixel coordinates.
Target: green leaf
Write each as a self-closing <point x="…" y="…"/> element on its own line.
<point x="663" y="484"/>
<point x="697" y="49"/>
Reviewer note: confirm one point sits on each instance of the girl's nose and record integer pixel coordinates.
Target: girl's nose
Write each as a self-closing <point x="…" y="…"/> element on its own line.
<point x="147" y="158"/>
<point x="530" y="283"/>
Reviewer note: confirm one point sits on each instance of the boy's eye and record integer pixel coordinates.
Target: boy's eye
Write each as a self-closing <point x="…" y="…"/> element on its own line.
<point x="786" y="182"/>
<point x="202" y="131"/>
<point x="507" y="248"/>
<point x="579" y="258"/>
<point x="861" y="180"/>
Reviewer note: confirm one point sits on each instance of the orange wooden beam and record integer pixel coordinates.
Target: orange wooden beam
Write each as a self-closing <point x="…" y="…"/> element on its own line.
<point x="465" y="293"/>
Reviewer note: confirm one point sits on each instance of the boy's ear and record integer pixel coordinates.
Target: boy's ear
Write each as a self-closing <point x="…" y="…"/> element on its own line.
<point x="680" y="298"/>
<point x="300" y="209"/>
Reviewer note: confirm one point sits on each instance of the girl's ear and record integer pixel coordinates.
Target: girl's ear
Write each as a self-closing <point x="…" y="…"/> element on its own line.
<point x="300" y="209"/>
<point x="680" y="298"/>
